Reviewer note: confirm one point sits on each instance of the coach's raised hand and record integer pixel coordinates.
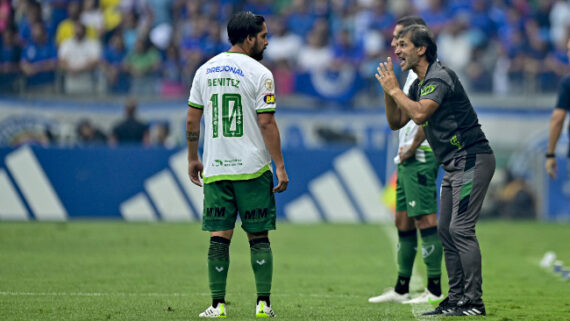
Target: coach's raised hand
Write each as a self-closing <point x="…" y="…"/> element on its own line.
<point x="385" y="75"/>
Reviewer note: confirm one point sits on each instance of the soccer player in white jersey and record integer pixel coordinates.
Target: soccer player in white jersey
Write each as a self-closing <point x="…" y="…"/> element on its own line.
<point x="236" y="95"/>
<point x="416" y="205"/>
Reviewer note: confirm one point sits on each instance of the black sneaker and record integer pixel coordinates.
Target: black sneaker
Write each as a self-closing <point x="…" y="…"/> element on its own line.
<point x="466" y="308"/>
<point x="444" y="307"/>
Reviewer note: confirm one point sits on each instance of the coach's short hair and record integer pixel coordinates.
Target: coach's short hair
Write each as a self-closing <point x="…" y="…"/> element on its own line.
<point x="244" y="24"/>
<point x="421" y="36"/>
<point x="411" y="20"/>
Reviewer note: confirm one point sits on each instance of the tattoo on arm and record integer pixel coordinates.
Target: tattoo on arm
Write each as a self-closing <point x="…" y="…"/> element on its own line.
<point x="192" y="136"/>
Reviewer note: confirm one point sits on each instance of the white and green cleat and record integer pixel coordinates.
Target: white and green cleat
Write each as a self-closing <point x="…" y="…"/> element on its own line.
<point x="390" y="296"/>
<point x="262" y="310"/>
<point x="425" y="297"/>
<point x="217" y="312"/>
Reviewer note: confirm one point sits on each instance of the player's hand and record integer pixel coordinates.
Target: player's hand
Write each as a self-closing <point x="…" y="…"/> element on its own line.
<point x="282" y="180"/>
<point x="405" y="152"/>
<point x="550" y="166"/>
<point x="386" y="77"/>
<point x="195" y="169"/>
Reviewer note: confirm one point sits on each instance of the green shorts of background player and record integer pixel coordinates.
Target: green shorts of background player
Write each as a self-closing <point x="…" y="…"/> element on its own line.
<point x="254" y="201"/>
<point x="416" y="208"/>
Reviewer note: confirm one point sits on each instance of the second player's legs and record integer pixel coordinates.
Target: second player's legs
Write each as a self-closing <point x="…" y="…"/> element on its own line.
<point x="406" y="251"/>
<point x="418" y="182"/>
<point x="432" y="250"/>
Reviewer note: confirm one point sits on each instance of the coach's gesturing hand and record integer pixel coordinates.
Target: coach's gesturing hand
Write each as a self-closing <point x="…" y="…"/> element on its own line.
<point x="385" y="75"/>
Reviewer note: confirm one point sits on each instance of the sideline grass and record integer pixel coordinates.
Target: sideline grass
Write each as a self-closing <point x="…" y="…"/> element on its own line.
<point x="135" y="271"/>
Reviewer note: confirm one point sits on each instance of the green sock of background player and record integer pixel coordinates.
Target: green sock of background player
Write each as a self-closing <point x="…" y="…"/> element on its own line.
<point x="407" y="247"/>
<point x="432" y="252"/>
<point x="262" y="264"/>
<point x="218" y="265"/>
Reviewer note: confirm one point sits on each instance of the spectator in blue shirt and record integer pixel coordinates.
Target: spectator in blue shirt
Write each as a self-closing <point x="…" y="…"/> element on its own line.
<point x="32" y="15"/>
<point x="480" y="21"/>
<point x="436" y="16"/>
<point x="10" y="52"/>
<point x="113" y="64"/>
<point x="300" y="20"/>
<point x="346" y="50"/>
<point x="39" y="58"/>
<point x="212" y="42"/>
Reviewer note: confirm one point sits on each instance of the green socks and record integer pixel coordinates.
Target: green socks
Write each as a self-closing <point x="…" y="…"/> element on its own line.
<point x="408" y="242"/>
<point x="432" y="252"/>
<point x="218" y="264"/>
<point x="262" y="264"/>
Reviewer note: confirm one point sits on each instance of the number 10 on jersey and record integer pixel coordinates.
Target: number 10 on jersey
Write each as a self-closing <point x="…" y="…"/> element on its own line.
<point x="232" y="115"/>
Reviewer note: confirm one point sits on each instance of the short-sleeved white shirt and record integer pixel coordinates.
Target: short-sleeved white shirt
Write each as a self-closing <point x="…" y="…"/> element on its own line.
<point x="232" y="88"/>
<point x="407" y="133"/>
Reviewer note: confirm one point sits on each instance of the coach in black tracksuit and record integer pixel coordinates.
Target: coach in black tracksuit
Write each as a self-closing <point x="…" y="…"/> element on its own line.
<point x="439" y="103"/>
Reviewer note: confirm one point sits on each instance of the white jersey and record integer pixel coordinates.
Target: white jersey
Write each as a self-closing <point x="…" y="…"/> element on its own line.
<point x="407" y="133"/>
<point x="232" y="88"/>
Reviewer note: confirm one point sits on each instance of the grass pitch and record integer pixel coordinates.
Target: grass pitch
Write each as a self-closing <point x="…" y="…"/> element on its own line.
<point x="132" y="271"/>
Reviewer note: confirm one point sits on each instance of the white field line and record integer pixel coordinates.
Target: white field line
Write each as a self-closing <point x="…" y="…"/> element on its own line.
<point x="417" y="281"/>
<point x="151" y="294"/>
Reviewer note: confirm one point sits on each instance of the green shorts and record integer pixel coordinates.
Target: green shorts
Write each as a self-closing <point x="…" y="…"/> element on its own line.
<point x="253" y="199"/>
<point x="415" y="186"/>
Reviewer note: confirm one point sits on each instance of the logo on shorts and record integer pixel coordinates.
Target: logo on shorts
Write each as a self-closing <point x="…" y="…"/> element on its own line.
<point x="256" y="213"/>
<point x="412" y="203"/>
<point x="427" y="250"/>
<point x="219" y="268"/>
<point x="216" y="212"/>
<point x="260" y="262"/>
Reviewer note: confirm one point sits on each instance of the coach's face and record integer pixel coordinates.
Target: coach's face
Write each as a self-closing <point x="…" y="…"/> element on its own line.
<point x="259" y="44"/>
<point x="408" y="54"/>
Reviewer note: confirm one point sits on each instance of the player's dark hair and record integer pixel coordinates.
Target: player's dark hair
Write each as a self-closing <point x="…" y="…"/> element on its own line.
<point x="411" y="20"/>
<point x="244" y="24"/>
<point x="421" y="36"/>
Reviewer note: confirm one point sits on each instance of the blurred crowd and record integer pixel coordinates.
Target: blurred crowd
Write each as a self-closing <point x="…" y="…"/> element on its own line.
<point x="87" y="131"/>
<point x="153" y="47"/>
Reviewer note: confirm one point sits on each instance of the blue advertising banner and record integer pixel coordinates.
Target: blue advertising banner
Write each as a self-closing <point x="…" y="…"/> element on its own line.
<point x="340" y="184"/>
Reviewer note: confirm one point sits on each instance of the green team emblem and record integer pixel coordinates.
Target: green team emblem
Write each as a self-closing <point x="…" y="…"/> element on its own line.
<point x="427" y="90"/>
<point x="455" y="142"/>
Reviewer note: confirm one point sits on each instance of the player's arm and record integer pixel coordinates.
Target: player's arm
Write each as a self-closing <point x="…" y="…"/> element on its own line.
<point x="556" y="123"/>
<point x="410" y="150"/>
<point x="195" y="166"/>
<point x="272" y="140"/>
